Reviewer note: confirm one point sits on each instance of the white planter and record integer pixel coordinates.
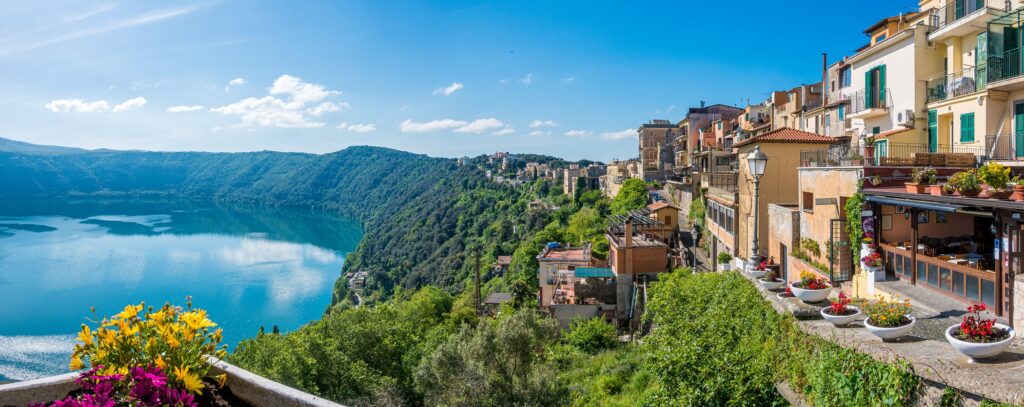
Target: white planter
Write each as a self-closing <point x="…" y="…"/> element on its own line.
<point x="841" y="320"/>
<point x="876" y="273"/>
<point x="755" y="273"/>
<point x="772" y="285"/>
<point x="890" y="333"/>
<point x="810" y="295"/>
<point x="980" y="350"/>
<point x="723" y="267"/>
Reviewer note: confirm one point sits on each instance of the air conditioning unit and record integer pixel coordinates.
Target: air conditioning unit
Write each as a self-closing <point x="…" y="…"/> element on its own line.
<point x="905" y="118"/>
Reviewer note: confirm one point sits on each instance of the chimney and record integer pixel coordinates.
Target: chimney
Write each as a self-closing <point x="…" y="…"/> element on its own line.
<point x="702" y="104"/>
<point x="629" y="232"/>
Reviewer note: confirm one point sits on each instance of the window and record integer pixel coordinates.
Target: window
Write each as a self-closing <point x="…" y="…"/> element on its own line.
<point x="967" y="128"/>
<point x="842" y="112"/>
<point x="881" y="37"/>
<point x="876" y="130"/>
<point x="808" y="202"/>
<point x="844" y="77"/>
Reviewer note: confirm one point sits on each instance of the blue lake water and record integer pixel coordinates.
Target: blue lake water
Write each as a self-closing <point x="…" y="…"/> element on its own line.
<point x="247" y="267"/>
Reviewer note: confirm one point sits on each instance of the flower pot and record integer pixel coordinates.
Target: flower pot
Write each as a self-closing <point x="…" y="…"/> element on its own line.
<point x="1018" y="193"/>
<point x="772" y="285"/>
<point x="913" y="188"/>
<point x="810" y="295"/>
<point x="755" y="273"/>
<point x="937" y="190"/>
<point x="999" y="194"/>
<point x="723" y="267"/>
<point x="840" y="320"/>
<point x="887" y="333"/>
<point x="979" y="350"/>
<point x="876" y="273"/>
<point x="971" y="194"/>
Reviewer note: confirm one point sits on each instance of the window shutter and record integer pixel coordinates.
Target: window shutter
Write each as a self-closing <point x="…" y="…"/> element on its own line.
<point x="967" y="128"/>
<point x="881" y="87"/>
<point x="868" y="90"/>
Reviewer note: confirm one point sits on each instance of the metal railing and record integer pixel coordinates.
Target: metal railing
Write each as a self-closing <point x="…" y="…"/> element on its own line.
<point x="956" y="10"/>
<point x="957" y="84"/>
<point x="859" y="103"/>
<point x="1003" y="147"/>
<point x="726" y="181"/>
<point x="836" y="156"/>
<point x="1004" y="66"/>
<point x="922" y="155"/>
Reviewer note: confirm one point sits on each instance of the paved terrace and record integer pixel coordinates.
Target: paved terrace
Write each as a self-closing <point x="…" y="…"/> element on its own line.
<point x="933" y="359"/>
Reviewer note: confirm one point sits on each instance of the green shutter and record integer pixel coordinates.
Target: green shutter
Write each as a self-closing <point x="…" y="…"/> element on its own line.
<point x="959" y="9"/>
<point x="967" y="128"/>
<point x="868" y="90"/>
<point x="881" y="87"/>
<point x="933" y="130"/>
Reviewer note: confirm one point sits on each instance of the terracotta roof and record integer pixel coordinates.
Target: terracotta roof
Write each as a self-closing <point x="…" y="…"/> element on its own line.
<point x="660" y="205"/>
<point x="892" y="132"/>
<point x="787" y="135"/>
<point x="504" y="260"/>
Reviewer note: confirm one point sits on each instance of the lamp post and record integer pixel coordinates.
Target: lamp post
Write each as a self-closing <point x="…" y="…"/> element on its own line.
<point x="756" y="160"/>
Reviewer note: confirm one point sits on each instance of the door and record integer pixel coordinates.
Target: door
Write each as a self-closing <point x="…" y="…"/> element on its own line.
<point x="933" y="130"/>
<point x="1012" y="270"/>
<point x="784" y="261"/>
<point x="840" y="257"/>
<point x="1018" y="129"/>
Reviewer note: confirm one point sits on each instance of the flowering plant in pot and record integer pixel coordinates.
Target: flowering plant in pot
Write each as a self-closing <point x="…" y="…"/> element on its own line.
<point x="1017" y="185"/>
<point x="723" y="261"/>
<point x="977" y="337"/>
<point x="786" y="294"/>
<point x="966" y="183"/>
<point x="921" y="178"/>
<point x="148" y="358"/>
<point x="840" y="312"/>
<point x="811" y="288"/>
<point x="771" y="280"/>
<point x="889" y="318"/>
<point x="996" y="176"/>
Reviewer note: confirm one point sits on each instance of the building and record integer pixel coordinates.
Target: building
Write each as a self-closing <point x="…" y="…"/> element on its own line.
<point x="636" y="256"/>
<point x="788" y="107"/>
<point x="556" y="272"/>
<point x="591" y="177"/>
<point x="494" y="301"/>
<point x="666" y="214"/>
<point x="616" y="173"/>
<point x="657" y="151"/>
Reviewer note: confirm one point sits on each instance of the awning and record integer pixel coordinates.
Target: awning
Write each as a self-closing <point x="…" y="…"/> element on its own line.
<point x="598" y="272"/>
<point x="929" y="206"/>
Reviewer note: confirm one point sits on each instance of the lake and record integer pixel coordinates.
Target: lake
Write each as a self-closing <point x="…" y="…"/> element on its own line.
<point x="247" y="267"/>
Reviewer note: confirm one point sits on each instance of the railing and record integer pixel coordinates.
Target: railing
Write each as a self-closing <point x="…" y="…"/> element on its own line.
<point x="859" y="103"/>
<point x="1002" y="147"/>
<point x="725" y="181"/>
<point x="957" y="84"/>
<point x="957" y="10"/>
<point x="811" y="104"/>
<point x="838" y="156"/>
<point x="965" y="282"/>
<point x="1004" y="66"/>
<point x="921" y="155"/>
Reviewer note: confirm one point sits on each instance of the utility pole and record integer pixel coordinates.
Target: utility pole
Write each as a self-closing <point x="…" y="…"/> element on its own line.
<point x="476" y="255"/>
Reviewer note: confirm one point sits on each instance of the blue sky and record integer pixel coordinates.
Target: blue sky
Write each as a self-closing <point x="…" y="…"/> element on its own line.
<point x="442" y="78"/>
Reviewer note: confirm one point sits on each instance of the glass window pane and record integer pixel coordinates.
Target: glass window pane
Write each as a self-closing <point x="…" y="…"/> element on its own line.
<point x="972" y="288"/>
<point x="944" y="278"/>
<point x="921" y="271"/>
<point x="988" y="293"/>
<point x="958" y="283"/>
<point x="907" y="270"/>
<point x="933" y="275"/>
<point x="897" y="263"/>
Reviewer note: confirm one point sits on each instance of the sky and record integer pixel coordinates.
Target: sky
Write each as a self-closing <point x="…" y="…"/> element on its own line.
<point x="572" y="79"/>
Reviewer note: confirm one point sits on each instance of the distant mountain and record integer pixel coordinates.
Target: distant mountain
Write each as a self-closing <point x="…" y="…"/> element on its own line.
<point x="14" y="146"/>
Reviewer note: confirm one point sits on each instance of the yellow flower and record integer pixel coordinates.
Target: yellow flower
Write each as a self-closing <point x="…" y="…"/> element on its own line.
<point x="172" y="341"/>
<point x="126" y="329"/>
<point x="197" y="320"/>
<point x="160" y="362"/>
<point x="106" y="336"/>
<point x="76" y="363"/>
<point x="130" y="311"/>
<point x="85" y="336"/>
<point x="191" y="381"/>
<point x="221" y="379"/>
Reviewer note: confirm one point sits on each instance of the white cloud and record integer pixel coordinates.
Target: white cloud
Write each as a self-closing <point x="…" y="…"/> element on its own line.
<point x="130" y="104"/>
<point x="233" y="83"/>
<point x="458" y="126"/>
<point x="327" y="107"/>
<point x="619" y="135"/>
<point x="538" y="133"/>
<point x="289" y="112"/>
<point x="505" y="131"/>
<point x="527" y="80"/>
<point x="569" y="79"/>
<point x="185" y="108"/>
<point x="358" y="127"/>
<point x="77" y="106"/>
<point x="542" y="123"/>
<point x="503" y="81"/>
<point x="299" y="91"/>
<point x="578" y="133"/>
<point x="447" y="91"/>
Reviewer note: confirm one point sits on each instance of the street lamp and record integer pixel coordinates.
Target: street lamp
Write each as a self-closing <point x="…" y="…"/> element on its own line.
<point x="757" y="161"/>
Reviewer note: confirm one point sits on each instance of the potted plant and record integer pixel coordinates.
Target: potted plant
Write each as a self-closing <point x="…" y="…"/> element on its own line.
<point x="786" y="294"/>
<point x="811" y="288"/>
<point x="856" y="159"/>
<point x="921" y="178"/>
<point x="723" y="261"/>
<point x="771" y="281"/>
<point x="869" y="148"/>
<point x="996" y="176"/>
<point x="966" y="183"/>
<point x="874" y="264"/>
<point x="979" y="338"/>
<point x="840" y="312"/>
<point x="876" y="180"/>
<point x="889" y="319"/>
<point x="1018" y="189"/>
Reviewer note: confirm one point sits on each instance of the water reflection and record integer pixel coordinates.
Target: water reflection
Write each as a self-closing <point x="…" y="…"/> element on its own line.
<point x="247" y="267"/>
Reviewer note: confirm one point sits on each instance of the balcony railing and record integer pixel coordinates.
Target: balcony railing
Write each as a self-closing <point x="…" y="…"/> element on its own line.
<point x="896" y="155"/>
<point x="859" y="102"/>
<point x="1004" y="66"/>
<point x="1003" y="147"/>
<point x="957" y="10"/>
<point x="725" y="181"/>
<point x="838" y="156"/>
<point x="957" y="84"/>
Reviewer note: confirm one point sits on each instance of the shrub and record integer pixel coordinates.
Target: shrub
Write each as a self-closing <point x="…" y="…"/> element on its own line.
<point x="924" y="176"/>
<point x="965" y="181"/>
<point x="591" y="335"/>
<point x="724" y="257"/>
<point x="994" y="174"/>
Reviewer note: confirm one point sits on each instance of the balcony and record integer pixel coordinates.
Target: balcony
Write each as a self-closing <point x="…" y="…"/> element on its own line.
<point x="839" y="156"/>
<point x="864" y="107"/>
<point x="962" y="17"/>
<point x="721" y="184"/>
<point x="896" y="155"/>
<point x="1003" y="148"/>
<point x="957" y="84"/>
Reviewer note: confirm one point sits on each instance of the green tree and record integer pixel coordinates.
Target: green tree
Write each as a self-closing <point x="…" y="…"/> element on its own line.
<point x="591" y="335"/>
<point x="632" y="195"/>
